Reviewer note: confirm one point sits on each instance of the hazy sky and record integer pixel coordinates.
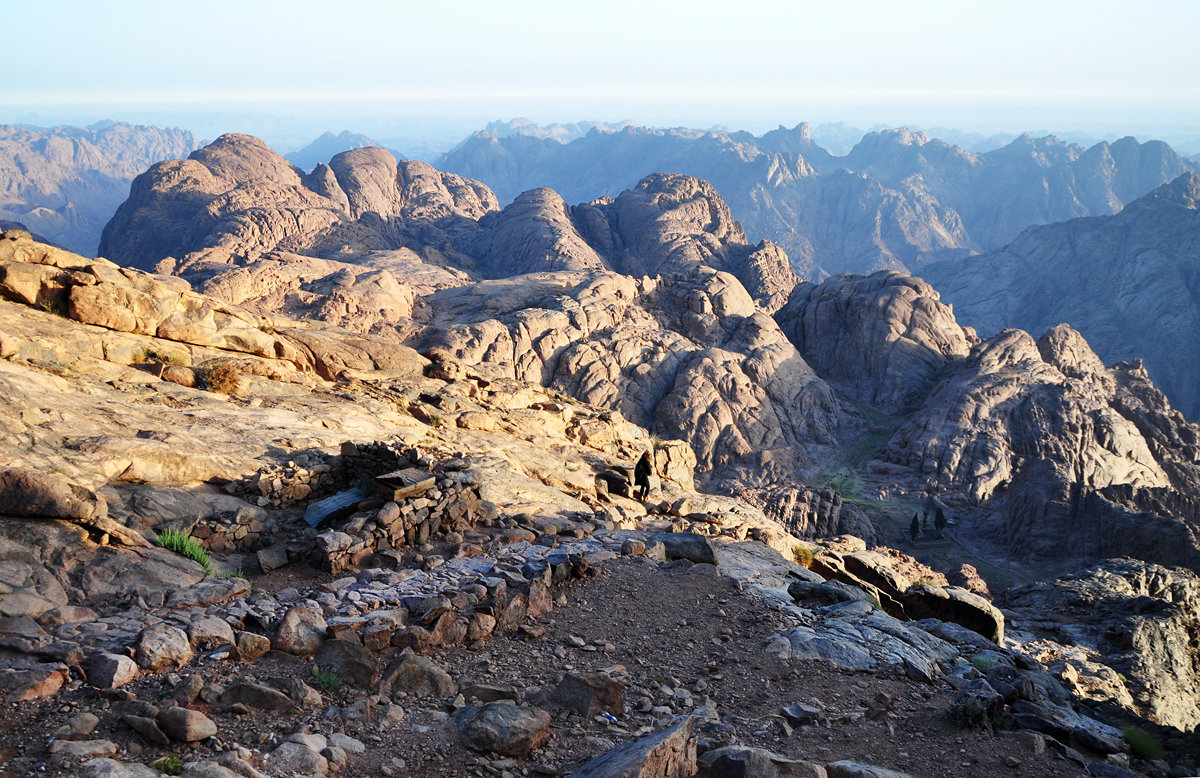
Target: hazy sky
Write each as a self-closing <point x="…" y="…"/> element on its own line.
<point x="1101" y="66"/>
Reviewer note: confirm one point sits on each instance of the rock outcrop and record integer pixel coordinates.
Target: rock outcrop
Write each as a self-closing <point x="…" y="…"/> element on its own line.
<point x="1134" y="618"/>
<point x="1126" y="282"/>
<point x="652" y="304"/>
<point x="688" y="355"/>
<point x="882" y="339"/>
<point x="1062" y="449"/>
<point x="236" y="201"/>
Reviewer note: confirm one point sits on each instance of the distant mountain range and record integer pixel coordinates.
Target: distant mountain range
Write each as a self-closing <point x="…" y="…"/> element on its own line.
<point x="899" y="199"/>
<point x="65" y="183"/>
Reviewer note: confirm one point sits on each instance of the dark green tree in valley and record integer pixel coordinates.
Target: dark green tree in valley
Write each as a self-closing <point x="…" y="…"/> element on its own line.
<point x="914" y="529"/>
<point x="939" y="521"/>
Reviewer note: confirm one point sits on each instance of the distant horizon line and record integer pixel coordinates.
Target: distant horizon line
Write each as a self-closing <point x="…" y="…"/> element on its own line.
<point x="431" y="130"/>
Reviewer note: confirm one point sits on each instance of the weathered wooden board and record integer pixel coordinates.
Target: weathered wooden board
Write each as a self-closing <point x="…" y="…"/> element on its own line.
<point x="404" y="483"/>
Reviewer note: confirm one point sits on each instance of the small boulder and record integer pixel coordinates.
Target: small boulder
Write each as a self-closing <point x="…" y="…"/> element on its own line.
<point x="687" y="545"/>
<point x="108" y="671"/>
<point x="670" y="753"/>
<point x="210" y="632"/>
<point x="851" y="769"/>
<point x="590" y="693"/>
<point x="743" y="761"/>
<point x="186" y="724"/>
<point x="294" y="757"/>
<point x="502" y="728"/>
<point x="67" y="752"/>
<point x="301" y="631"/>
<point x="147" y="728"/>
<point x="416" y="675"/>
<point x="272" y="558"/>
<point x="351" y="661"/>
<point x="162" y="645"/>
<point x="256" y="696"/>
<point x="251" y="646"/>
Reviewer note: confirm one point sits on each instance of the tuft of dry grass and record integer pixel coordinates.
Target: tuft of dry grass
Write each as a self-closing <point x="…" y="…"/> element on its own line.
<point x="223" y="378"/>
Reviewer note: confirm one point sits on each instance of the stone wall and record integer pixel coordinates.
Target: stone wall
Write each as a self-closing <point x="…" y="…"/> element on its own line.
<point x="451" y="505"/>
<point x="313" y="475"/>
<point x="224" y="533"/>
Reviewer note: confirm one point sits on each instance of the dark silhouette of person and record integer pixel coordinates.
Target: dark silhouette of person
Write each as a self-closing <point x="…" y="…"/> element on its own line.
<point x="641" y="476"/>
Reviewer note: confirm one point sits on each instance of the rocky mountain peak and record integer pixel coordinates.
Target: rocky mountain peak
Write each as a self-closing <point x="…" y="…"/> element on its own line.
<point x="1184" y="192"/>
<point x="1067" y="350"/>
<point x="244" y="158"/>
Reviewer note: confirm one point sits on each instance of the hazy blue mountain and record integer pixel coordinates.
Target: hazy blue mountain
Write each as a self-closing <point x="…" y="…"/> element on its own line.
<point x="326" y="146"/>
<point x="898" y="199"/>
<point x="1130" y="283"/>
<point x="66" y="182"/>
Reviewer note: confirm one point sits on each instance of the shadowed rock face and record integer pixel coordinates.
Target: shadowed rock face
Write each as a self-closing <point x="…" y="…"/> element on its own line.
<point x="1140" y="617"/>
<point x="898" y="200"/>
<point x="1127" y="282"/>
<point x="881" y="338"/>
<point x="1083" y="460"/>
<point x="64" y="183"/>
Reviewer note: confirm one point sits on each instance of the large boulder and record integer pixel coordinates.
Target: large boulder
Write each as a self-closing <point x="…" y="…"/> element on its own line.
<point x="951" y="603"/>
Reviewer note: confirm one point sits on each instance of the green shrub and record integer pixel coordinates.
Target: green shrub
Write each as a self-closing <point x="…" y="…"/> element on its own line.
<point x="232" y="574"/>
<point x="1142" y="743"/>
<point x="169" y="765"/>
<point x="184" y="545"/>
<point x="327" y="680"/>
<point x="803" y="556"/>
<point x="982" y="663"/>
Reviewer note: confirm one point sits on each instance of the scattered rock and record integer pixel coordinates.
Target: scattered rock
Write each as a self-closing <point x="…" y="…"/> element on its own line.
<point x="162" y="645"/>
<point x="415" y="675"/>
<point x="186" y="724"/>
<point x="502" y="728"/>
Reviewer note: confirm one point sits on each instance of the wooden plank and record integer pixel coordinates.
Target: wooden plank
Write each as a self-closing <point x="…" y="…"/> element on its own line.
<point x="404" y="483"/>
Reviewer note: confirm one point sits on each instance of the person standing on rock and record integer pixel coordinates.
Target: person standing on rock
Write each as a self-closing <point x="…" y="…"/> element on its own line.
<point x="641" y="476"/>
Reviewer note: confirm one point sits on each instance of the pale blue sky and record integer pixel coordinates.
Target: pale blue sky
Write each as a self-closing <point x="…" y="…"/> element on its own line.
<point x="1109" y="67"/>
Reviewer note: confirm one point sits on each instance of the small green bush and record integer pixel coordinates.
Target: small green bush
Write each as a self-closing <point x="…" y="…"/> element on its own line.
<point x="803" y="556"/>
<point x="1142" y="743"/>
<point x="239" y="573"/>
<point x="184" y="545"/>
<point x="982" y="663"/>
<point x="169" y="765"/>
<point x="327" y="680"/>
<point x="56" y="305"/>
